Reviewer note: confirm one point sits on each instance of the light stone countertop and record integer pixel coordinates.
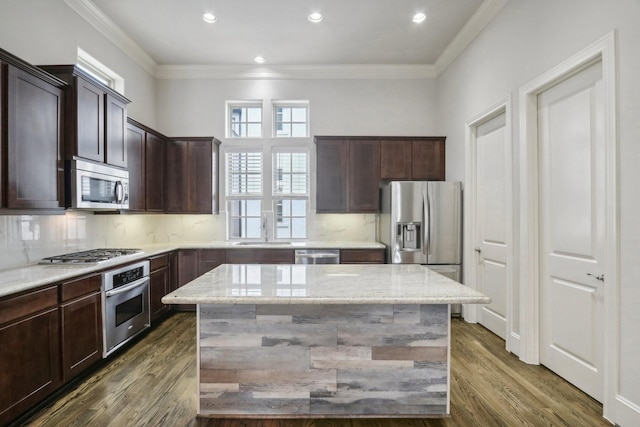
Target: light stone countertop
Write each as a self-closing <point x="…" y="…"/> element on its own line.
<point x="31" y="276"/>
<point x="324" y="284"/>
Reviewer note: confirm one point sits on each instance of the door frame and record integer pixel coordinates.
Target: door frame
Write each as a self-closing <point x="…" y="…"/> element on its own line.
<point x="603" y="51"/>
<point x="470" y="312"/>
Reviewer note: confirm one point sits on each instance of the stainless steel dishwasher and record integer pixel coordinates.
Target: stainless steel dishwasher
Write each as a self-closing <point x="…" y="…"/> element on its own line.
<point x="317" y="256"/>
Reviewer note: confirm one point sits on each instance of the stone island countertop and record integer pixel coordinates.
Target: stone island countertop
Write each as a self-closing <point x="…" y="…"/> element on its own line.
<point x="324" y="284"/>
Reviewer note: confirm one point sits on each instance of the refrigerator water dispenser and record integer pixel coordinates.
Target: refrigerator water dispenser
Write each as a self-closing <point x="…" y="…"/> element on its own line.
<point x="409" y="235"/>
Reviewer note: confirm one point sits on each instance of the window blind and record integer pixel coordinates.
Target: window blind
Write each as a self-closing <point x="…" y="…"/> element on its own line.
<point x="244" y="173"/>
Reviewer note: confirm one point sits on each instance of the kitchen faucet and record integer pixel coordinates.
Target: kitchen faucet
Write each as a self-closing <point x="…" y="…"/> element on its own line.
<point x="265" y="230"/>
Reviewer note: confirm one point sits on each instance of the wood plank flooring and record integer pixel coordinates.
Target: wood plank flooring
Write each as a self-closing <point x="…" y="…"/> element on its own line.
<point x="153" y="383"/>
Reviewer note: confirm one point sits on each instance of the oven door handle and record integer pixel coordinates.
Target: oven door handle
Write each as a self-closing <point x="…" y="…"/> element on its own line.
<point x="127" y="288"/>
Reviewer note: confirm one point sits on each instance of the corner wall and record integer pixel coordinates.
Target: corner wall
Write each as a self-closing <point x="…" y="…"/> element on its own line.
<point x="525" y="40"/>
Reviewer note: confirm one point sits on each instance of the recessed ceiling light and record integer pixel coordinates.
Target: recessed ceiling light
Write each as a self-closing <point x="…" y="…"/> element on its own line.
<point x="209" y="17"/>
<point x="419" y="17"/>
<point x="259" y="59"/>
<point x="315" y="17"/>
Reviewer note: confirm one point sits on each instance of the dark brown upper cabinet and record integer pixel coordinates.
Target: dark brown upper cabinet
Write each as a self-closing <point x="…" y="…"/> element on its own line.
<point x="192" y="172"/>
<point x="31" y="136"/>
<point x="146" y="152"/>
<point x="412" y="158"/>
<point x="155" y="175"/>
<point x="348" y="173"/>
<point x="395" y="159"/>
<point x="96" y="117"/>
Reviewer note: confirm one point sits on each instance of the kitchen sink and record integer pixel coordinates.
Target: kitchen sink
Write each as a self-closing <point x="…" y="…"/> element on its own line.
<point x="262" y="244"/>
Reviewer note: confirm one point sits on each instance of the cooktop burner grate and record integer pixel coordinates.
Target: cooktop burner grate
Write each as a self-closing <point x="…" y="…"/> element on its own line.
<point x="90" y="256"/>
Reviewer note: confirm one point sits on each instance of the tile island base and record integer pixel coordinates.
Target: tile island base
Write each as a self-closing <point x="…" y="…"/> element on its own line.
<point x="324" y="360"/>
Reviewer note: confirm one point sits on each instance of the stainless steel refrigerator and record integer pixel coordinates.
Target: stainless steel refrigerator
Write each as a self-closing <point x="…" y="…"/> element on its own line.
<point x="420" y="222"/>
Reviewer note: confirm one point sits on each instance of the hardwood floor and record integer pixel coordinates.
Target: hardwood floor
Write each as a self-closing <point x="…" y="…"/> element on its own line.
<point x="153" y="383"/>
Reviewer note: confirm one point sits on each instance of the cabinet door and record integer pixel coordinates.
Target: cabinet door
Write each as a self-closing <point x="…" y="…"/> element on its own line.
<point x="116" y="137"/>
<point x="177" y="179"/>
<point x="199" y="183"/>
<point x="331" y="182"/>
<point x="81" y="334"/>
<point x="395" y="159"/>
<point x="364" y="175"/>
<point x="187" y="271"/>
<point x="428" y="159"/>
<point x="173" y="271"/>
<point x="154" y="173"/>
<point x="136" y="160"/>
<point x="208" y="259"/>
<point x="35" y="170"/>
<point x="158" y="287"/>
<point x="90" y="120"/>
<point x="81" y="311"/>
<point x="30" y="351"/>
<point x="187" y="266"/>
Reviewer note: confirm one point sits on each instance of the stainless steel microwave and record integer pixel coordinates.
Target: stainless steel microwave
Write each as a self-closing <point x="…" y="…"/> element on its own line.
<point x="96" y="186"/>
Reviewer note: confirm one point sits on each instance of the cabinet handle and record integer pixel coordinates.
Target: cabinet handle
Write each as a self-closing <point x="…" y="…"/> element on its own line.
<point x="477" y="249"/>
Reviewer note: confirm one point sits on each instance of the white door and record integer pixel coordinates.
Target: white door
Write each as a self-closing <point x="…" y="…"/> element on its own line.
<point x="492" y="220"/>
<point x="572" y="221"/>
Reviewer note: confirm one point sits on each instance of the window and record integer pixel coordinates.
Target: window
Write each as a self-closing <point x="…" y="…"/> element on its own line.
<point x="291" y="120"/>
<point x="244" y="120"/>
<point x="99" y="71"/>
<point x="267" y="179"/>
<point x="244" y="194"/>
<point x="290" y="193"/>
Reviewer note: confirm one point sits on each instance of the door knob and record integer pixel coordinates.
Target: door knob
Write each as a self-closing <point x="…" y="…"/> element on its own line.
<point x="477" y="249"/>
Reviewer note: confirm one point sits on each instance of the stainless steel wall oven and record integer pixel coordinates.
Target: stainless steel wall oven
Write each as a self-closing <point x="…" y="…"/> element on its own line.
<point x="125" y="304"/>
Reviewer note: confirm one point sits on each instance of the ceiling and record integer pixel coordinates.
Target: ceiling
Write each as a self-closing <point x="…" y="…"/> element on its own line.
<point x="172" y="33"/>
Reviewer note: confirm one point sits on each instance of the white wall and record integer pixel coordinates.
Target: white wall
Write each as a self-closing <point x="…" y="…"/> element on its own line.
<point x="526" y="39"/>
<point x="337" y="107"/>
<point x="50" y="32"/>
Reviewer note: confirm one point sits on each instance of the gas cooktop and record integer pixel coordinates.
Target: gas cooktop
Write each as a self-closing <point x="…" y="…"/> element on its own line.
<point x="92" y="256"/>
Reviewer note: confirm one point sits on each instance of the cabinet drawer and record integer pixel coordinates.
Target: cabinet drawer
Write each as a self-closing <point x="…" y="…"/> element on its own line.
<point x="365" y="256"/>
<point x="23" y="305"/>
<point x="212" y="255"/>
<point x="260" y="256"/>
<point x="79" y="287"/>
<point x="158" y="262"/>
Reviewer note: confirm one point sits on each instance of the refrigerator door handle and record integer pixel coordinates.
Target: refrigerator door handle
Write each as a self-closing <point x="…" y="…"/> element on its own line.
<point x="426" y="221"/>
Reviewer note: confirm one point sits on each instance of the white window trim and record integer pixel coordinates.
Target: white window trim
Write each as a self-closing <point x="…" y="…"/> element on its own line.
<point x="243" y="103"/>
<point x="100" y="71"/>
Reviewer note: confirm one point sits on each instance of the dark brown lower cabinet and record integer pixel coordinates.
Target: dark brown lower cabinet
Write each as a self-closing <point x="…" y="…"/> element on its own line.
<point x="260" y="256"/>
<point x="81" y="324"/>
<point x="187" y="271"/>
<point x="29" y="350"/>
<point x="159" y="285"/>
<point x="362" y="256"/>
<point x="208" y="259"/>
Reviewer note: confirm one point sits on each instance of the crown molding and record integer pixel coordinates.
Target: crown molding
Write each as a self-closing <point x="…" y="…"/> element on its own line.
<point x="485" y="13"/>
<point x="295" y="72"/>
<point x="96" y="18"/>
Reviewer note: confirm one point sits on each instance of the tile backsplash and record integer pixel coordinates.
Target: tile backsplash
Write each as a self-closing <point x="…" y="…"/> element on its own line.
<point x="25" y="239"/>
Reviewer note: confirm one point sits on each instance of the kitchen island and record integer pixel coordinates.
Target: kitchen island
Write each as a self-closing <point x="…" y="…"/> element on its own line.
<point x="303" y="341"/>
